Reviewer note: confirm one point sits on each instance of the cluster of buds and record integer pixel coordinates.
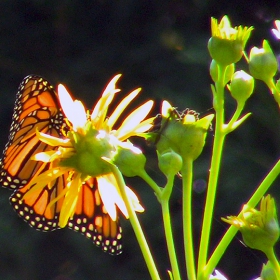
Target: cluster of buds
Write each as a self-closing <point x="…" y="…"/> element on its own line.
<point x="226" y="47"/>
<point x="180" y="136"/>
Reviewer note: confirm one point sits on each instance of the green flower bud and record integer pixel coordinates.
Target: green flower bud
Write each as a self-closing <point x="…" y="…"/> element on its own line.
<point x="263" y="63"/>
<point x="229" y="72"/>
<point x="268" y="272"/>
<point x="169" y="162"/>
<point x="227" y="44"/>
<point x="242" y="86"/>
<point x="182" y="132"/>
<point x="214" y="71"/>
<point x="260" y="229"/>
<point x="260" y="237"/>
<point x="129" y="159"/>
<point x="224" y="51"/>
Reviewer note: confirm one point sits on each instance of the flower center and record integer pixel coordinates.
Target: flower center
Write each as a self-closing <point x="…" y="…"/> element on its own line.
<point x="90" y="146"/>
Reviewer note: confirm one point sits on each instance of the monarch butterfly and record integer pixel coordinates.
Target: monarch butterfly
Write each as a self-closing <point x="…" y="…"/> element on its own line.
<point x="37" y="108"/>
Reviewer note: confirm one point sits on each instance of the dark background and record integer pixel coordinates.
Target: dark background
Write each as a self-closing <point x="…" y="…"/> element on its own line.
<point x="162" y="47"/>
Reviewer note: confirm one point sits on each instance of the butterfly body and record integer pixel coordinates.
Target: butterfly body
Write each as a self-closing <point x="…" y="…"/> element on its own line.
<point x="37" y="108"/>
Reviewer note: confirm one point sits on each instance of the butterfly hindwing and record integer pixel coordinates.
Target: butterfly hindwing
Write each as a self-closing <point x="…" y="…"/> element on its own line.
<point x="34" y="209"/>
<point x="92" y="220"/>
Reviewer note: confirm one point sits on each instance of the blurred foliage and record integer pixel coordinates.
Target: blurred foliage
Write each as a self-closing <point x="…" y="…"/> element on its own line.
<point x="161" y="46"/>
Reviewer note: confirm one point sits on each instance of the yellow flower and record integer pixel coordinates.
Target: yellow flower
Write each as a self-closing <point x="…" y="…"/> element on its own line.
<point x="259" y="228"/>
<point x="86" y="151"/>
<point x="227" y="43"/>
<point x="223" y="30"/>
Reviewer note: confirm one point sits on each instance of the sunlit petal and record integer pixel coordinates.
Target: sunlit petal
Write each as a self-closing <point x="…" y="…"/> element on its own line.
<point x="122" y="105"/>
<point x="107" y="187"/>
<point x="134" y="118"/>
<point x="44" y="156"/>
<point x="70" y="200"/>
<point x="165" y="109"/>
<point x="276" y="32"/>
<point x="134" y="200"/>
<point x="218" y="275"/>
<point x="138" y="130"/>
<point x="100" y="110"/>
<point x="74" y="110"/>
<point x="43" y="179"/>
<point x="111" y="87"/>
<point x="49" y="175"/>
<point x="144" y="126"/>
<point x="79" y="115"/>
<point x="53" y="155"/>
<point x="53" y="141"/>
<point x="66" y="101"/>
<point x="277" y="23"/>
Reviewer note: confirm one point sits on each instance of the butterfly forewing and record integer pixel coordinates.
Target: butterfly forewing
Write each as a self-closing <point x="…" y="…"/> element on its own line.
<point x="36" y="108"/>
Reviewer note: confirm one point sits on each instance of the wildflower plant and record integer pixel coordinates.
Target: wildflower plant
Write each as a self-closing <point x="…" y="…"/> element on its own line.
<point x="95" y="147"/>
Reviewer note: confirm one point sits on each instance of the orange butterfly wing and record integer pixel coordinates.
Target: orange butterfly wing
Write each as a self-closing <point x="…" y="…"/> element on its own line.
<point x="92" y="220"/>
<point x="37" y="107"/>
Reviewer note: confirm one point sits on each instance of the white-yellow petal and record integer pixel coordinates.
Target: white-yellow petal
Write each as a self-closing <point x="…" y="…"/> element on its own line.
<point x="165" y="109"/>
<point x="276" y="31"/>
<point x="79" y="115"/>
<point x="53" y="141"/>
<point x="134" y="119"/>
<point x="43" y="179"/>
<point x="43" y="156"/>
<point x="138" y="130"/>
<point x="111" y="87"/>
<point x="74" y="110"/>
<point x="100" y="110"/>
<point x="144" y="126"/>
<point x="134" y="200"/>
<point x="70" y="200"/>
<point x="66" y="100"/>
<point x="120" y="108"/>
<point x="110" y="196"/>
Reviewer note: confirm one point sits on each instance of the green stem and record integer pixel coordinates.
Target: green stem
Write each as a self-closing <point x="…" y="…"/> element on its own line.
<point x="273" y="260"/>
<point x="187" y="177"/>
<point x="254" y="200"/>
<point x="163" y="196"/>
<point x="210" y="201"/>
<point x="230" y="126"/>
<point x="274" y="91"/>
<point x="136" y="226"/>
<point x="214" y="173"/>
<point x="168" y="233"/>
<point x="145" y="176"/>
